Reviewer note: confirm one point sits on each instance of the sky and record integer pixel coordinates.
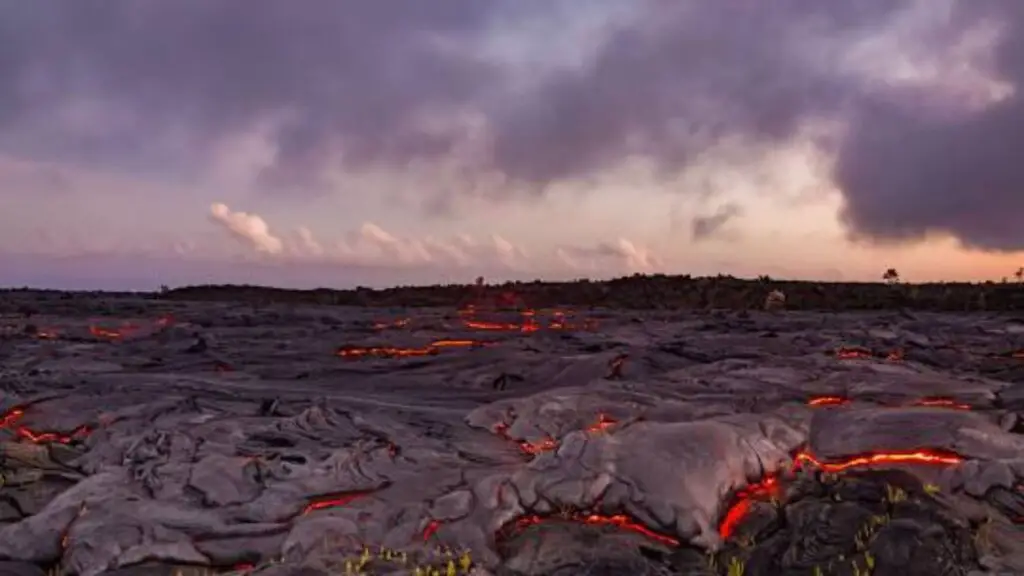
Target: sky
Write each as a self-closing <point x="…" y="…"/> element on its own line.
<point x="350" y="142"/>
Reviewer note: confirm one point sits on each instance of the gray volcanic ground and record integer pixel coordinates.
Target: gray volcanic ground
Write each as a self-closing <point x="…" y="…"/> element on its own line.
<point x="147" y="437"/>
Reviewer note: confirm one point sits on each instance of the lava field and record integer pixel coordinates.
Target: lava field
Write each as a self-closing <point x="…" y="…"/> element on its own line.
<point x="140" y="436"/>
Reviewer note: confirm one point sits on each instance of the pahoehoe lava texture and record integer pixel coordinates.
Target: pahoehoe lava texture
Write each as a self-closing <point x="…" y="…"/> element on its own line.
<point x="141" y="436"/>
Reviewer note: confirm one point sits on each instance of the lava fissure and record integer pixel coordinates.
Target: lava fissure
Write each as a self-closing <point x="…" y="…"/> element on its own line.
<point x="333" y="500"/>
<point x="602" y="424"/>
<point x="742" y="502"/>
<point x="9" y="421"/>
<point x="616" y="521"/>
<point x="769" y="487"/>
<point x="859" y="352"/>
<point x="432" y="349"/>
<point x="828" y="401"/>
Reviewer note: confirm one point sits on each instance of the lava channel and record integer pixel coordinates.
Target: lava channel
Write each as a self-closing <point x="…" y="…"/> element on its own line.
<point x="358" y="352"/>
<point x="927" y="457"/>
<point x="828" y="401"/>
<point x="401" y="323"/>
<point x="742" y="503"/>
<point x="10" y="419"/>
<point x="333" y="501"/>
<point x="941" y="403"/>
<point x="602" y="424"/>
<point x="852" y="352"/>
<point x="617" y="521"/>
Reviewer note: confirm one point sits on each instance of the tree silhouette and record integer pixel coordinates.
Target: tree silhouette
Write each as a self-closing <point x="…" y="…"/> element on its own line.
<point x="891" y="276"/>
<point x="1019" y="274"/>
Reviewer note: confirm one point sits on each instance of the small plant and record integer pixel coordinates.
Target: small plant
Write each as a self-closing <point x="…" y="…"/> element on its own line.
<point x="736" y="567"/>
<point x="894" y="494"/>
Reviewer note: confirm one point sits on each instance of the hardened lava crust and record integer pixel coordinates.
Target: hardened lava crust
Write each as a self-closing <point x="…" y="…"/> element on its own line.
<point x="141" y="435"/>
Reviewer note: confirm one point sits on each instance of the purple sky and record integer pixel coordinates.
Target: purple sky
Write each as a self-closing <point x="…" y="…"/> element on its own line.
<point x="344" y="142"/>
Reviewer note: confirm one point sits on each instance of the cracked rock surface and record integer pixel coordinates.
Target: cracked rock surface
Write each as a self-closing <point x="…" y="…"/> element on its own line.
<point x="148" y="437"/>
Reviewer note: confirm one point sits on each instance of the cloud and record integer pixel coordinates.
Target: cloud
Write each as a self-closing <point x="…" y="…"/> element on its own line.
<point x="622" y="255"/>
<point x="250" y="229"/>
<point x="370" y="245"/>
<point x="924" y="94"/>
<point x="704" y="227"/>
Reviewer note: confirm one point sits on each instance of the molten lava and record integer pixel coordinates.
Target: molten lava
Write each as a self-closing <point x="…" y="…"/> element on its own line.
<point x="402" y="323"/>
<point x="880" y="459"/>
<point x="332" y="501"/>
<point x="828" y="401"/>
<point x="942" y="403"/>
<point x="769" y="487"/>
<point x="743" y="502"/>
<point x="47" y="334"/>
<point x="618" y="521"/>
<point x="896" y="355"/>
<point x="850" y="352"/>
<point x="357" y="352"/>
<point x="603" y="423"/>
<point x="10" y="419"/>
<point x="1019" y="354"/>
<point x="460" y="343"/>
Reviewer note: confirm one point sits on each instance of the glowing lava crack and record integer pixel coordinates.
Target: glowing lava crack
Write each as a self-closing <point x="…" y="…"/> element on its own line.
<point x="435" y="347"/>
<point x="617" y="521"/>
<point x="743" y="500"/>
<point x="10" y="419"/>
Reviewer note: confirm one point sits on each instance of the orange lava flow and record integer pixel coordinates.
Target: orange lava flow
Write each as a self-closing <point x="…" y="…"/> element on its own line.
<point x="880" y="459"/>
<point x="546" y="445"/>
<point x="828" y="401"/>
<point x="334" y="501"/>
<point x="744" y="499"/>
<point x="460" y="343"/>
<point x="942" y="403"/>
<point x="743" y="502"/>
<point x="604" y="422"/>
<point x="851" y="353"/>
<point x="357" y="352"/>
<point x="896" y="355"/>
<point x="619" y="521"/>
<point x="9" y="420"/>
<point x="402" y="323"/>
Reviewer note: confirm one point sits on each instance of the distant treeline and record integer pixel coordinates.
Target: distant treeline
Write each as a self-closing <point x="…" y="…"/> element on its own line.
<point x="639" y="291"/>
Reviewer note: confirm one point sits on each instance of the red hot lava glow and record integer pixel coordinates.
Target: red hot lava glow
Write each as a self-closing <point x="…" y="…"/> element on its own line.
<point x="333" y="501"/>
<point x="619" y="521"/>
<point x="828" y="401"/>
<point x="880" y="459"/>
<point x="743" y="502"/>
<point x="603" y="423"/>
<point x="10" y="419"/>
<point x="942" y="403"/>
<point x="358" y="352"/>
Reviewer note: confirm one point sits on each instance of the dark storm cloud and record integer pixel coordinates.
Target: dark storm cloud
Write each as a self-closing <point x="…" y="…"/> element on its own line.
<point x="351" y="75"/>
<point x="905" y="174"/>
